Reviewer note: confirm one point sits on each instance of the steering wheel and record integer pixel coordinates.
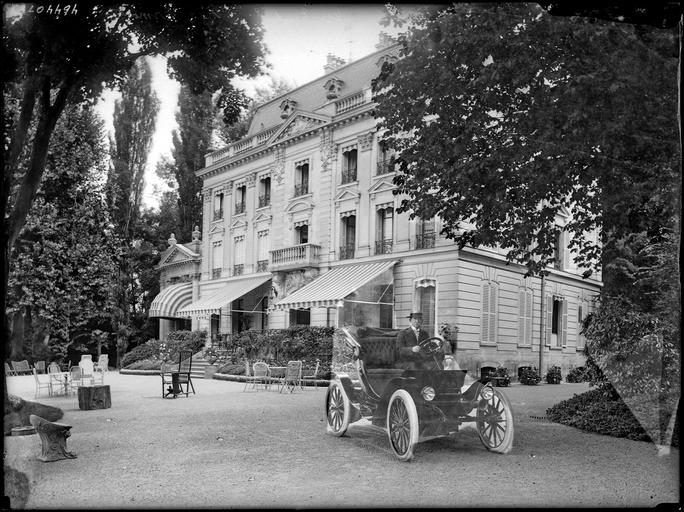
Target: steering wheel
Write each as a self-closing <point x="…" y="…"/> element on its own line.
<point x="431" y="346"/>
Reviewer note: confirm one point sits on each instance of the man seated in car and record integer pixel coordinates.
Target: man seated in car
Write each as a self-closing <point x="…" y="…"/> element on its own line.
<point x="410" y="356"/>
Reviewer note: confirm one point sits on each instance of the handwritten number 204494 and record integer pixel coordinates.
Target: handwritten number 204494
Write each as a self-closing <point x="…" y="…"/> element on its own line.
<point x="54" y="10"/>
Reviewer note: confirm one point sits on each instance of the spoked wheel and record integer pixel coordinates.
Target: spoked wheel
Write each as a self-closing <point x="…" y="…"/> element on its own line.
<point x="402" y="424"/>
<point x="338" y="410"/>
<point x="495" y="423"/>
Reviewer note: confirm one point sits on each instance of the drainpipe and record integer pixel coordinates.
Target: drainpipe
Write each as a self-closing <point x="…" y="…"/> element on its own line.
<point x="543" y="323"/>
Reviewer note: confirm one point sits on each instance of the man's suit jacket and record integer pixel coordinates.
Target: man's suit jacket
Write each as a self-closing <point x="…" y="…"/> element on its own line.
<point x="406" y="339"/>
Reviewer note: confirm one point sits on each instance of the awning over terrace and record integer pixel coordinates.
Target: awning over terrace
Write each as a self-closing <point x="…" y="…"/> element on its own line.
<point x="330" y="289"/>
<point x="167" y="303"/>
<point x="231" y="290"/>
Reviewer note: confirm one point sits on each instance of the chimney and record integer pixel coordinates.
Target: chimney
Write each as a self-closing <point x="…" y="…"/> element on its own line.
<point x="384" y="40"/>
<point x="333" y="62"/>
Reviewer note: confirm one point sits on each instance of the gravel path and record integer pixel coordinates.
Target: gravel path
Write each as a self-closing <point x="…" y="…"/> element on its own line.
<point x="224" y="448"/>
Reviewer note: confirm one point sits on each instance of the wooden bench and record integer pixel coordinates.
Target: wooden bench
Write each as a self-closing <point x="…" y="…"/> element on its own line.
<point x="21" y="367"/>
<point x="53" y="438"/>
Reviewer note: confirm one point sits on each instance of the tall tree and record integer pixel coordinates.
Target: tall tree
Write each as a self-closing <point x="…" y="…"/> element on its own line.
<point x="135" y="117"/>
<point x="62" y="267"/>
<point x="196" y="118"/>
<point x="70" y="57"/>
<point x="503" y="115"/>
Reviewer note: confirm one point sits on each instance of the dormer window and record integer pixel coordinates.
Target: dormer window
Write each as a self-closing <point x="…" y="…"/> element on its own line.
<point x="333" y="88"/>
<point x="287" y="107"/>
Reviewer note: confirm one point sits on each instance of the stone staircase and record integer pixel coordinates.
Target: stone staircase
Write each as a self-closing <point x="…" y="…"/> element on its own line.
<point x="198" y="366"/>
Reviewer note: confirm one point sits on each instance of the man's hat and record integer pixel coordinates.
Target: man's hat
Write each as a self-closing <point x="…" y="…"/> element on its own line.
<point x="416" y="314"/>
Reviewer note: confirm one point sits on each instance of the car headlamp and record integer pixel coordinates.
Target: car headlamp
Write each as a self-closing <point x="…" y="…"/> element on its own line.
<point x="486" y="392"/>
<point x="428" y="393"/>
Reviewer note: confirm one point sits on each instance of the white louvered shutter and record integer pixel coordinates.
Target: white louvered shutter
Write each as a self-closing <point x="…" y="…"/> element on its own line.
<point x="485" y="313"/>
<point x="522" y="310"/>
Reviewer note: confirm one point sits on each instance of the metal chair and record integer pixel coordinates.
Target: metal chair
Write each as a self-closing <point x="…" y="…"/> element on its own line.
<point x="21" y="367"/>
<point x="39" y="366"/>
<point x="259" y="376"/>
<point x="75" y="379"/>
<point x="293" y="376"/>
<point x="174" y="378"/>
<point x="312" y="377"/>
<point x="42" y="384"/>
<point x="9" y="371"/>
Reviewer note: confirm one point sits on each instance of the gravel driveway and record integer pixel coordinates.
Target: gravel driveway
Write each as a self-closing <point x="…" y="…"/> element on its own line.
<point x="225" y="448"/>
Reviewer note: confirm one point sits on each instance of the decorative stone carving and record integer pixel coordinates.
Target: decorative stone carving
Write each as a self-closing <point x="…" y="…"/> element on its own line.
<point x="333" y="87"/>
<point x="195" y="234"/>
<point x="365" y="141"/>
<point x="251" y="180"/>
<point x="327" y="150"/>
<point x="287" y="107"/>
<point x="285" y="283"/>
<point x="299" y="125"/>
<point x="172" y="240"/>
<point x="278" y="169"/>
<point x="53" y="438"/>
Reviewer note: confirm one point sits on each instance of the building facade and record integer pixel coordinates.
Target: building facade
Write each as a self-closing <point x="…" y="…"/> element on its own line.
<point x="301" y="227"/>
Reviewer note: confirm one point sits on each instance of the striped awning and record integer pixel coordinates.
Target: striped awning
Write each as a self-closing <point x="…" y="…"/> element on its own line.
<point x="170" y="300"/>
<point x="330" y="289"/>
<point x="229" y="291"/>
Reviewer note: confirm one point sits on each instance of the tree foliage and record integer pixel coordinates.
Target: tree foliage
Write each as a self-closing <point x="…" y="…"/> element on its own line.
<point x="62" y="268"/>
<point x="503" y="116"/>
<point x="135" y="117"/>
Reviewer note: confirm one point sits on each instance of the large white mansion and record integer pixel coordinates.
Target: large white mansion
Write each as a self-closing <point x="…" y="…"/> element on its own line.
<point x="300" y="227"/>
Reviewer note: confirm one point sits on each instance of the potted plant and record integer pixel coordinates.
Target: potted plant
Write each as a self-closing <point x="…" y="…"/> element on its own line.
<point x="553" y="375"/>
<point x="529" y="376"/>
<point x="212" y="357"/>
<point x="500" y="377"/>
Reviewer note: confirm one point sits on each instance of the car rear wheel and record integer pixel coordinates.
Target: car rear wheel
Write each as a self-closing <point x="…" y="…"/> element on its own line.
<point x="495" y="423"/>
<point x="402" y="424"/>
<point x="338" y="410"/>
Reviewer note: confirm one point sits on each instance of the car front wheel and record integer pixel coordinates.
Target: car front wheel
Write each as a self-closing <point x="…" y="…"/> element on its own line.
<point x="495" y="423"/>
<point x="338" y="410"/>
<point x="402" y="424"/>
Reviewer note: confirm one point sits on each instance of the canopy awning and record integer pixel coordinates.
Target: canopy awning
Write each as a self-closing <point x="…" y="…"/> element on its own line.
<point x="231" y="290"/>
<point x="330" y="289"/>
<point x="170" y="300"/>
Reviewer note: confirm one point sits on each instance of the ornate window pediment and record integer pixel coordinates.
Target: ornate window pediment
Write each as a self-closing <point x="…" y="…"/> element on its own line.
<point x="333" y="87"/>
<point x="216" y="229"/>
<point x="287" y="108"/>
<point x="380" y="186"/>
<point x="298" y="124"/>
<point x="347" y="195"/>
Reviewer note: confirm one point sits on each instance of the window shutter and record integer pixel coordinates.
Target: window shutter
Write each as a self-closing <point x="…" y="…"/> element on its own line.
<point x="493" y="312"/>
<point x="485" y="313"/>
<point x="549" y="318"/>
<point x="522" y="310"/>
<point x="563" y="339"/>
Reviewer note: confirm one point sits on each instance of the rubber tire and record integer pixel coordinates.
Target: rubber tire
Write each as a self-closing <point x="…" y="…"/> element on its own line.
<point x="342" y="410"/>
<point x="503" y="405"/>
<point x="409" y="419"/>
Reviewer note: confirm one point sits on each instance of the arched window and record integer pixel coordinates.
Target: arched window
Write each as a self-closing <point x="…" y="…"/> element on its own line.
<point x="425" y="302"/>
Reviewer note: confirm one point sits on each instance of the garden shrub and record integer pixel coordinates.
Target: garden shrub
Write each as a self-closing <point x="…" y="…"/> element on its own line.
<point x="501" y="372"/>
<point x="152" y="350"/>
<point x="232" y="369"/>
<point x="577" y="374"/>
<point x="530" y="376"/>
<point x="603" y="411"/>
<point x="148" y="350"/>
<point x="553" y="375"/>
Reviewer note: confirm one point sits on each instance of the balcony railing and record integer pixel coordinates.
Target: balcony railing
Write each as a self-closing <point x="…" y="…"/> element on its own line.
<point x="216" y="273"/>
<point x="264" y="200"/>
<point x="238" y="270"/>
<point x="350" y="102"/>
<point x="301" y="189"/>
<point x="218" y="214"/>
<point x="346" y="251"/>
<point x="385" y="166"/>
<point x="262" y="266"/>
<point x="383" y="246"/>
<point x="348" y="175"/>
<point x="297" y="256"/>
<point x="239" y="208"/>
<point x="425" y="240"/>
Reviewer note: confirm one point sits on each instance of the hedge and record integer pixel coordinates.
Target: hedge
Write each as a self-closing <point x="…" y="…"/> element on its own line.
<point x="152" y="349"/>
<point x="603" y="411"/>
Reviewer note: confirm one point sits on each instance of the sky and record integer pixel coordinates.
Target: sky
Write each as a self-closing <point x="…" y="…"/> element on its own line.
<point x="298" y="37"/>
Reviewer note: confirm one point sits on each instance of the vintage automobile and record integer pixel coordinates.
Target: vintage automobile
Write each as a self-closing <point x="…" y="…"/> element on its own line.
<point x="412" y="405"/>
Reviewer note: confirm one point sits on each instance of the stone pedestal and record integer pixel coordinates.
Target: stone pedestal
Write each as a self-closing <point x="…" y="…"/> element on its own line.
<point x="94" y="397"/>
<point x="53" y="438"/>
